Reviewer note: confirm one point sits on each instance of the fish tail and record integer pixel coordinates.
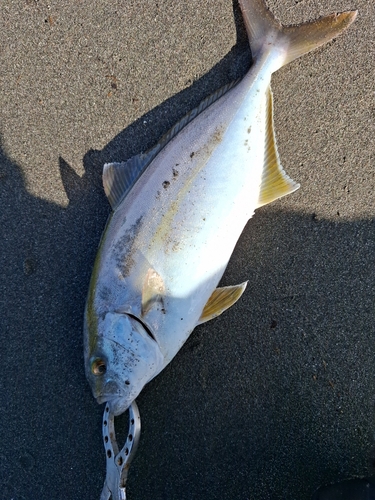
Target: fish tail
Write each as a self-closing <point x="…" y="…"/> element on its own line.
<point x="292" y="41"/>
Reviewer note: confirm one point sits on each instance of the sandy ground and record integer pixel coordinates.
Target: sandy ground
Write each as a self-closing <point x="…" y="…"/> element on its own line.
<point x="272" y="399"/>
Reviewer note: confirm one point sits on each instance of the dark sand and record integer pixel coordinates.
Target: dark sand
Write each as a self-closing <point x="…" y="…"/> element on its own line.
<point x="272" y="399"/>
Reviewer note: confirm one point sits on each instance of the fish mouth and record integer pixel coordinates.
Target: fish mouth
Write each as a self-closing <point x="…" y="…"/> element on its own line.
<point x="109" y="392"/>
<point x="102" y="399"/>
<point x="108" y="398"/>
<point x="117" y="404"/>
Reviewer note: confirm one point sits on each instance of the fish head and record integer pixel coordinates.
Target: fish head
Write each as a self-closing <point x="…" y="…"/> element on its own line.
<point x="122" y="360"/>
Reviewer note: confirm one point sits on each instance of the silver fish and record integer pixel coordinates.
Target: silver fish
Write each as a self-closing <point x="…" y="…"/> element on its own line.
<point x="178" y="212"/>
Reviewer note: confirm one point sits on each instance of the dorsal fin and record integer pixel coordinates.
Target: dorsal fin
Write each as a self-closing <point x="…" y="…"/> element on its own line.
<point x="119" y="178"/>
<point x="275" y="182"/>
<point x="221" y="299"/>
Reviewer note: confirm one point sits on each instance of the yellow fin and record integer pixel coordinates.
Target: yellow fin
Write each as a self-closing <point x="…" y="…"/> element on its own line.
<point x="313" y="34"/>
<point x="221" y="300"/>
<point x="264" y="30"/>
<point x="275" y="182"/>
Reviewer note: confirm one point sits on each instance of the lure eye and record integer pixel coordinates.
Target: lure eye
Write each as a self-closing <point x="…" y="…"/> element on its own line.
<point x="98" y="367"/>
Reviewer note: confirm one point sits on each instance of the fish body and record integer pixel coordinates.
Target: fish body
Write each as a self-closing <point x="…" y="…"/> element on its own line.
<point x="178" y="212"/>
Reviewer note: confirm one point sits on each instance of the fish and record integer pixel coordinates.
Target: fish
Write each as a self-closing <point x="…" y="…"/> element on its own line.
<point x="178" y="211"/>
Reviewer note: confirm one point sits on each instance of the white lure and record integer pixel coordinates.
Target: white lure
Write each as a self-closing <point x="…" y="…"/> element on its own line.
<point x="178" y="212"/>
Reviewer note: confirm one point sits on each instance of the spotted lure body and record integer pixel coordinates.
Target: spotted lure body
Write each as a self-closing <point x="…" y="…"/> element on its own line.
<point x="178" y="212"/>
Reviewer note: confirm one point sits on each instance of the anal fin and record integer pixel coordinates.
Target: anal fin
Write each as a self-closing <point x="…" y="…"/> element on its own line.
<point x="221" y="300"/>
<point x="275" y="182"/>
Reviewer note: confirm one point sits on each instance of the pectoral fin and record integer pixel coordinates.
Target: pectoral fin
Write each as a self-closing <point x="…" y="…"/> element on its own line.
<point x="153" y="291"/>
<point x="221" y="300"/>
<point x="275" y="182"/>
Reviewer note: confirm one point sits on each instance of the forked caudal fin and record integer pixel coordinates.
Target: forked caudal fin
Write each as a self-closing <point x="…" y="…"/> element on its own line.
<point x="293" y="41"/>
<point x="264" y="32"/>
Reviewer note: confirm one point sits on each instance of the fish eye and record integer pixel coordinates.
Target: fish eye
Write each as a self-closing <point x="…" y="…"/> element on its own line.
<point x="98" y="366"/>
